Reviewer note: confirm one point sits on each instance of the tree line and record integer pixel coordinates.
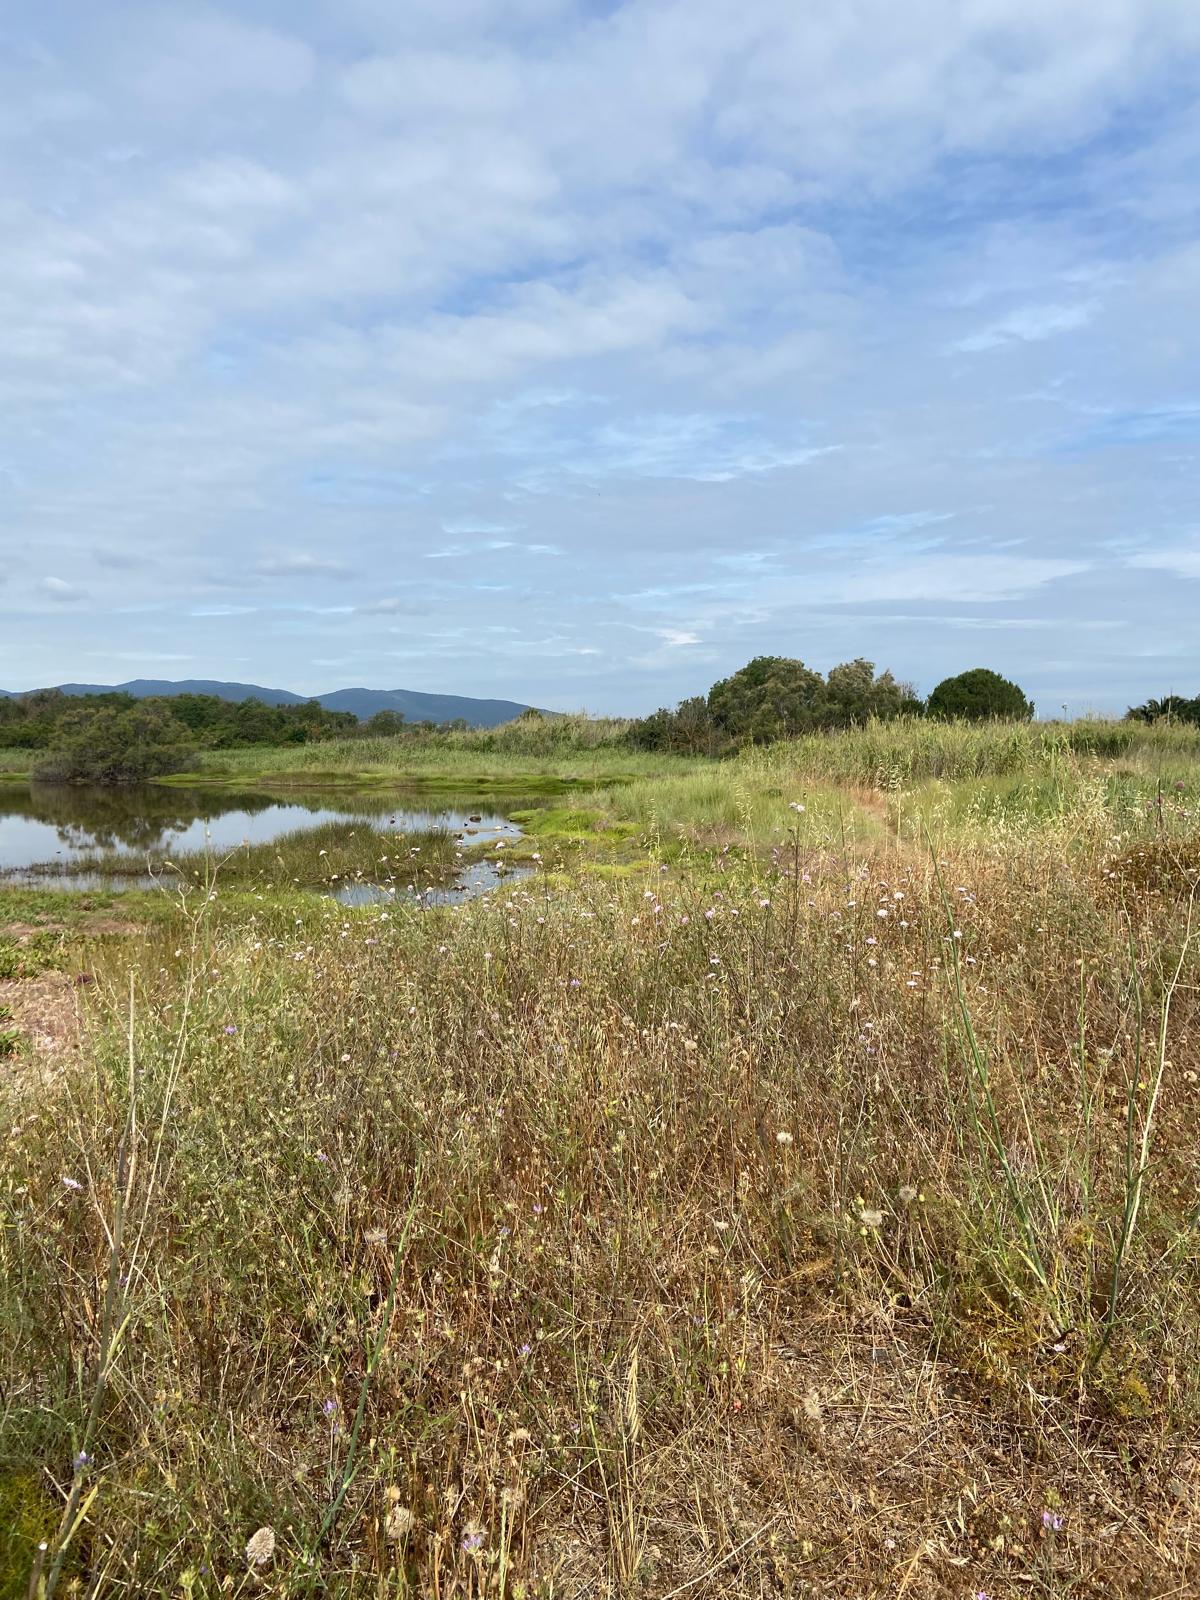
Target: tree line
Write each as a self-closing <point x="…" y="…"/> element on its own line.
<point x="115" y="738"/>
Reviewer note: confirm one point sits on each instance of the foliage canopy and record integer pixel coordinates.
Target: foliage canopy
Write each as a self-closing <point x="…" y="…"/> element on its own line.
<point x="980" y="695"/>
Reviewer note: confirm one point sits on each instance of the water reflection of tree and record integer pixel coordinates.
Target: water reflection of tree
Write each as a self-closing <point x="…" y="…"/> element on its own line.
<point x="145" y="818"/>
<point x="132" y="817"/>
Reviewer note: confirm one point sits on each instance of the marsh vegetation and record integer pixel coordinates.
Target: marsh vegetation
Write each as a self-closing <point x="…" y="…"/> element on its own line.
<point x="789" y="1189"/>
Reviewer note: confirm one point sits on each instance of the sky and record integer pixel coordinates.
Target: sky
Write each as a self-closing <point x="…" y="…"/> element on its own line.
<point x="576" y="352"/>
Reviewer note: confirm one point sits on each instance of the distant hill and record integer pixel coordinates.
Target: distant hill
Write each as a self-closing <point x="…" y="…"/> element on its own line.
<point x="364" y="703"/>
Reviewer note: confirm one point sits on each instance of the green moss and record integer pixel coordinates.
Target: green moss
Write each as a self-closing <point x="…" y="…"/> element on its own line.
<point x="27" y="1517"/>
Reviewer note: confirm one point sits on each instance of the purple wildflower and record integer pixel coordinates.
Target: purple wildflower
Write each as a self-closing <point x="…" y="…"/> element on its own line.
<point x="231" y="1027"/>
<point x="1052" y="1521"/>
<point x="82" y="1460"/>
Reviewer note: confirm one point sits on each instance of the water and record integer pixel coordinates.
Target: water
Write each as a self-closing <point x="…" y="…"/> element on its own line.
<point x="47" y="825"/>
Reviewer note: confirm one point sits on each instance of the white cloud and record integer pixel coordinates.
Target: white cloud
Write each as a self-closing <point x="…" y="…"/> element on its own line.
<point x="677" y="292"/>
<point x="59" y="589"/>
<point x="1029" y="324"/>
<point x="299" y="564"/>
<point x="1181" y="559"/>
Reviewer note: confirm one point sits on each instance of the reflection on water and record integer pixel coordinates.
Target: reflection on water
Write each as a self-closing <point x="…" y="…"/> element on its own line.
<point x="474" y="880"/>
<point x="42" y="825"/>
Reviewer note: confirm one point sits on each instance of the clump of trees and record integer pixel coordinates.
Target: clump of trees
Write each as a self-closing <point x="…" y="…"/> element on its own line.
<point x="979" y="695"/>
<point x="110" y="744"/>
<point x="1171" y="708"/>
<point x="776" y="697"/>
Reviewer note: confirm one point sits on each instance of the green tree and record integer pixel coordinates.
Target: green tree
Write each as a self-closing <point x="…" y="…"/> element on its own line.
<point x="980" y="695"/>
<point x="383" y="725"/>
<point x="772" y="697"/>
<point x="853" y="694"/>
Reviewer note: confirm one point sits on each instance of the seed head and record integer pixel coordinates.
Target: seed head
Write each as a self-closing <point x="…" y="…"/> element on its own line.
<point x="260" y="1547"/>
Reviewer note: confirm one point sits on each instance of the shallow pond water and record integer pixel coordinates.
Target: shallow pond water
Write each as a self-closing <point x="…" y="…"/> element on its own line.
<point x="49" y="826"/>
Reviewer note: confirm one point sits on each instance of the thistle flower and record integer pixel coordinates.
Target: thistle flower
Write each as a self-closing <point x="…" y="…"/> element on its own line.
<point x="871" y="1218"/>
<point x="260" y="1547"/>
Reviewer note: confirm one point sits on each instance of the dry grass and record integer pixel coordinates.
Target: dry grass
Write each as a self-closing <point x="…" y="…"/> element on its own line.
<point x="819" y="1222"/>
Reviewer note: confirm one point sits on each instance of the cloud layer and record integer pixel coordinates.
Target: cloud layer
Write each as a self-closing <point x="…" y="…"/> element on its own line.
<point x="578" y="351"/>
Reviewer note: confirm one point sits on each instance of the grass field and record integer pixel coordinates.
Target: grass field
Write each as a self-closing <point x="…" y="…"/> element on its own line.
<point x="791" y="1190"/>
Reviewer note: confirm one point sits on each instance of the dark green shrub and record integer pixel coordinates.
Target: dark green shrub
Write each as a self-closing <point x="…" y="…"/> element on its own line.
<point x="979" y="695"/>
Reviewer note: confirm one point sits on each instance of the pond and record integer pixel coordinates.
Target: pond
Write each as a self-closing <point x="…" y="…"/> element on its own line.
<point x="45" y="828"/>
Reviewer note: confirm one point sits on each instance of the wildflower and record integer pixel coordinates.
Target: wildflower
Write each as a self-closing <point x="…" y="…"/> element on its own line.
<point x="794" y="805"/>
<point x="329" y="1407"/>
<point x="261" y="1547"/>
<point x="783" y="1137"/>
<point x="82" y="1460"/>
<point x="526" y="1350"/>
<point x="472" y="1541"/>
<point x="231" y="1027"/>
<point x="1051" y="1521"/>
<point x="907" y="1193"/>
<point x="72" y="1183"/>
<point x="871" y="1218"/>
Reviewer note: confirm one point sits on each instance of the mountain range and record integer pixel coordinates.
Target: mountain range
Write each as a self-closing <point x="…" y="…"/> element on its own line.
<point x="364" y="703"/>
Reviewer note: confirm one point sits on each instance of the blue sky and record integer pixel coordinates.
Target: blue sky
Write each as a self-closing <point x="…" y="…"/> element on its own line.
<point x="577" y="352"/>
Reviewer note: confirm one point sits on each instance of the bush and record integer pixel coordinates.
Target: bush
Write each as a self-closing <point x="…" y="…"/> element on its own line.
<point x="980" y="695"/>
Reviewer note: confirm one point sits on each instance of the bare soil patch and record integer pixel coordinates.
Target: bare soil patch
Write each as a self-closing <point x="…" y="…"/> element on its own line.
<point x="46" y="1013"/>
